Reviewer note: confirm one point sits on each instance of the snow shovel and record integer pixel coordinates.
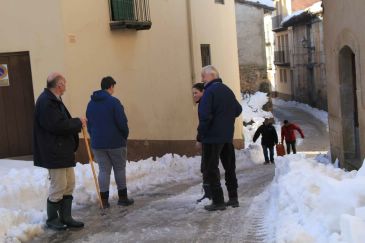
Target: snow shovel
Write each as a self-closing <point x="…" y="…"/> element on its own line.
<point x="92" y="166"/>
<point x="280" y="150"/>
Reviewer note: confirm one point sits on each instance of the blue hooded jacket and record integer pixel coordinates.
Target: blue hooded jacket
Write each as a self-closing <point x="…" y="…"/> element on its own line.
<point x="218" y="110"/>
<point x="107" y="122"/>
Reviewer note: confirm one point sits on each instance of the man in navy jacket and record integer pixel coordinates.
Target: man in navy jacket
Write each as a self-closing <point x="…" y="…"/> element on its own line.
<point x="108" y="129"/>
<point x="218" y="110"/>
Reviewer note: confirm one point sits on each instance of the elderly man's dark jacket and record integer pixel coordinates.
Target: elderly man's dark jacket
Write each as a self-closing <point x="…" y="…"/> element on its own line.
<point x="218" y="110"/>
<point x="55" y="133"/>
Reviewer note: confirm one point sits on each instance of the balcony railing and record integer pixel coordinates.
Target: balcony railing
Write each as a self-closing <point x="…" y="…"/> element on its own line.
<point x="130" y="14"/>
<point x="281" y="58"/>
<point x="276" y="21"/>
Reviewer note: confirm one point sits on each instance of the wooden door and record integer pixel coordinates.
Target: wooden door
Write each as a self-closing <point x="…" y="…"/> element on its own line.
<point x="16" y="105"/>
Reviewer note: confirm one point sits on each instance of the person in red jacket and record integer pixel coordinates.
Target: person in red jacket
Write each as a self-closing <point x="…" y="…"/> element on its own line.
<point x="288" y="133"/>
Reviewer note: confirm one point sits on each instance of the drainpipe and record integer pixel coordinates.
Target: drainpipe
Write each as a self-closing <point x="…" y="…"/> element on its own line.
<point x="310" y="67"/>
<point x="191" y="42"/>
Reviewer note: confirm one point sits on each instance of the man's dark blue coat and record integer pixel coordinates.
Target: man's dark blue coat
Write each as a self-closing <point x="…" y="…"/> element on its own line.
<point x="218" y="110"/>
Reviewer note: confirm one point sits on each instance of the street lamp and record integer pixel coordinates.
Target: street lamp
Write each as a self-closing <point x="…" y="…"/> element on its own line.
<point x="307" y="44"/>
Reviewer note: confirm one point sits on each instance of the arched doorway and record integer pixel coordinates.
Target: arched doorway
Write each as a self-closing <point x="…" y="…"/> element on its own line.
<point x="349" y="106"/>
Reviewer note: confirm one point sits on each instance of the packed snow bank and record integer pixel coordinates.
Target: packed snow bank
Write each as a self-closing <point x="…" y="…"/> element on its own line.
<point x="252" y="107"/>
<point x="24" y="190"/>
<point x="253" y="114"/>
<point x="319" y="114"/>
<point x="314" y="202"/>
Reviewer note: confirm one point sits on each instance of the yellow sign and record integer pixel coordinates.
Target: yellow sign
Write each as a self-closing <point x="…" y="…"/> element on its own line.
<point x="4" y="75"/>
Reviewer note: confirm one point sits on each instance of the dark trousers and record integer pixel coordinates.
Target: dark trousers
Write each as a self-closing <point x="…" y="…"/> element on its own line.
<point x="211" y="175"/>
<point x="267" y="150"/>
<point x="292" y="145"/>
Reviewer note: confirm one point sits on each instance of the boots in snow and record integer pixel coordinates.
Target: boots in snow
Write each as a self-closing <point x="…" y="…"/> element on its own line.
<point x="105" y="199"/>
<point x="53" y="221"/>
<point x="233" y="199"/>
<point x="217" y="200"/>
<point x="207" y="193"/>
<point x="65" y="213"/>
<point x="123" y="198"/>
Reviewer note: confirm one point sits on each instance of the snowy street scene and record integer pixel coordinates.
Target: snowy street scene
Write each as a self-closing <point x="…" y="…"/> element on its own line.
<point x="182" y="121"/>
<point x="271" y="208"/>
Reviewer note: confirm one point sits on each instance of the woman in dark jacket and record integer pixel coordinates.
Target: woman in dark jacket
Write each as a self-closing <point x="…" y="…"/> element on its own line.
<point x="198" y="91"/>
<point x="269" y="138"/>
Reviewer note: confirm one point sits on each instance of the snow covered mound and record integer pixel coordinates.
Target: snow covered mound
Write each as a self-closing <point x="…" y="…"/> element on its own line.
<point x="252" y="107"/>
<point x="253" y="114"/>
<point x="314" y="202"/>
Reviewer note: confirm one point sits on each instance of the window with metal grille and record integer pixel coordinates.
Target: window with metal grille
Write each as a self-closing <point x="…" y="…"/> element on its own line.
<point x="122" y="10"/>
<point x="130" y="14"/>
<point x="205" y="52"/>
<point x="219" y="1"/>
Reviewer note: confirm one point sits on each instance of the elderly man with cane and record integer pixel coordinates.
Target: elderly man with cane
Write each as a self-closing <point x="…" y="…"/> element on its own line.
<point x="55" y="140"/>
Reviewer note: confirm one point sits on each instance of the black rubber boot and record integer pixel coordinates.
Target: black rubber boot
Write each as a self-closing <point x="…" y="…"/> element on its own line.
<point x="53" y="220"/>
<point x="207" y="193"/>
<point x="123" y="198"/>
<point x="65" y="213"/>
<point x="233" y="199"/>
<point x="105" y="199"/>
<point x="218" y="200"/>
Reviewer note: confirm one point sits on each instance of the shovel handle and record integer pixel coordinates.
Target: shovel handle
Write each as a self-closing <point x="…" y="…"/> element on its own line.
<point x="92" y="165"/>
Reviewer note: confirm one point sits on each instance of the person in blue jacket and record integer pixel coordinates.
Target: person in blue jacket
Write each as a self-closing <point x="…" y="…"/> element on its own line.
<point x="218" y="110"/>
<point x="108" y="129"/>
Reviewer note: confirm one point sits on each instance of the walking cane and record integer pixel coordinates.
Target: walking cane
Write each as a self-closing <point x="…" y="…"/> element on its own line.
<point x="92" y="166"/>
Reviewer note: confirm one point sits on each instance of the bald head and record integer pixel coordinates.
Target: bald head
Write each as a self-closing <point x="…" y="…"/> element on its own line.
<point x="53" y="79"/>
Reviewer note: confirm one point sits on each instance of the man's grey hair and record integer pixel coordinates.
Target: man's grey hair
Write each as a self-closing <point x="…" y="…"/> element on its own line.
<point x="210" y="70"/>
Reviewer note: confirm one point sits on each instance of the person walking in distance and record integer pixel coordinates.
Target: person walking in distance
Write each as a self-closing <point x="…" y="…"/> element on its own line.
<point x="108" y="129"/>
<point x="55" y="140"/>
<point x="269" y="138"/>
<point x="218" y="110"/>
<point x="288" y="133"/>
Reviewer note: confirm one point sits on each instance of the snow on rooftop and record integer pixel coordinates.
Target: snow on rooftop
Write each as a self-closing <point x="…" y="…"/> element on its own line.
<point x="314" y="9"/>
<point x="290" y="16"/>
<point x="268" y="3"/>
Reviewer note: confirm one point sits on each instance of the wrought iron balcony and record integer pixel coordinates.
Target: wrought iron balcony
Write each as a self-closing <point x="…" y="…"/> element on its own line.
<point x="281" y="58"/>
<point x="130" y="14"/>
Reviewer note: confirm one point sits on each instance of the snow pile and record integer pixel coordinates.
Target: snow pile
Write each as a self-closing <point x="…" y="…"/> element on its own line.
<point x="314" y="202"/>
<point x="253" y="114"/>
<point x="21" y="211"/>
<point x="24" y="191"/>
<point x="319" y="114"/>
<point x="269" y="3"/>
